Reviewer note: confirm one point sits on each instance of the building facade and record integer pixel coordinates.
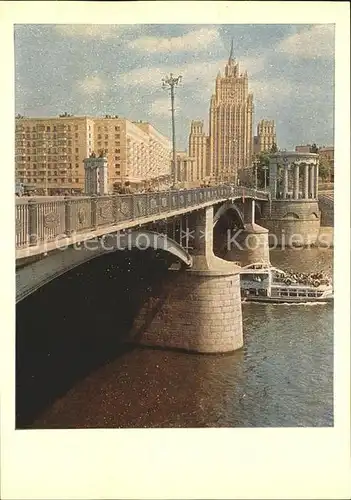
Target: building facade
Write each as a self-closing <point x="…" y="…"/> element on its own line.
<point x="199" y="149"/>
<point x="230" y="135"/>
<point x="50" y="152"/>
<point x="266" y="136"/>
<point x="160" y="150"/>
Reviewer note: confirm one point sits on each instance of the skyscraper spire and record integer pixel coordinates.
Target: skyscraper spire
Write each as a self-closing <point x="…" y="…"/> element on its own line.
<point x="231" y="51"/>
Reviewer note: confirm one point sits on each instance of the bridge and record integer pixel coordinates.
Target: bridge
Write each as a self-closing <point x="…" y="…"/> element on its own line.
<point x="56" y="234"/>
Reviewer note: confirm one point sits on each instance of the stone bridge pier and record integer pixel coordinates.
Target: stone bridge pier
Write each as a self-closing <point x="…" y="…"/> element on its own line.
<point x="196" y="309"/>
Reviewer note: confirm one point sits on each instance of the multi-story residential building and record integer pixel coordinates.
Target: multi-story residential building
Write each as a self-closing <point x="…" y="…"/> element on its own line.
<point x="266" y="137"/>
<point x="126" y="148"/>
<point x="199" y="149"/>
<point x="230" y="121"/>
<point x="50" y="152"/>
<point x="160" y="149"/>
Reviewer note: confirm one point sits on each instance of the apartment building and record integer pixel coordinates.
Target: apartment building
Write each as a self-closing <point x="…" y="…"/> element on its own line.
<point x="49" y="152"/>
<point x="160" y="150"/>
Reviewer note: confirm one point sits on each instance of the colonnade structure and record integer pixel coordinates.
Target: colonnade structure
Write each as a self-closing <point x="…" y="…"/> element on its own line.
<point x="294" y="175"/>
<point x="292" y="215"/>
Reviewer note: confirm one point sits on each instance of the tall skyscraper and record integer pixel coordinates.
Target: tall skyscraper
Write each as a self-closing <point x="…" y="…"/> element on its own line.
<point x="198" y="149"/>
<point x="266" y="136"/>
<point x="230" y="136"/>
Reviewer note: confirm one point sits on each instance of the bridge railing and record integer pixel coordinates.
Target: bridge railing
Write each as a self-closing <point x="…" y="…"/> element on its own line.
<point x="46" y="219"/>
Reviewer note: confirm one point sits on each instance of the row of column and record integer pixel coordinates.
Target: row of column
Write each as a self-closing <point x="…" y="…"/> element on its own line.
<point x="310" y="181"/>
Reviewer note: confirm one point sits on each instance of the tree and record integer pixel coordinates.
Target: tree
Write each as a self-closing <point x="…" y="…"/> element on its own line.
<point x="274" y="148"/>
<point x="261" y="161"/>
<point x="325" y="169"/>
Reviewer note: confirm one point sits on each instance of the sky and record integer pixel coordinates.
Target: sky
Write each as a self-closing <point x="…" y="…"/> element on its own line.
<point x="118" y="69"/>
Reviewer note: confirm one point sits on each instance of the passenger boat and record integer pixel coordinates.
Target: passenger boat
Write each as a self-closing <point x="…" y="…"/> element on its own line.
<point x="261" y="282"/>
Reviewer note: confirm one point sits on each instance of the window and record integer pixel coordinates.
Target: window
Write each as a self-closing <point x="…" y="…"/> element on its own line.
<point x="48" y="129"/>
<point x="76" y="127"/>
<point x="77" y="166"/>
<point x="34" y="166"/>
<point x="69" y="128"/>
<point x="116" y="128"/>
<point x="55" y="173"/>
<point x="69" y="180"/>
<point x="77" y="150"/>
<point x="77" y="180"/>
<point x="55" y="131"/>
<point x="28" y="158"/>
<point x="117" y="151"/>
<point x="99" y="136"/>
<point x="106" y="136"/>
<point x="117" y="136"/>
<point x="76" y="136"/>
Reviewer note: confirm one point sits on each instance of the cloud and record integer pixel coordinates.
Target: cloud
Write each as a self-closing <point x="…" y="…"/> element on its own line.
<point x="98" y="31"/>
<point x="200" y="39"/>
<point x="271" y="90"/>
<point x="162" y="107"/>
<point x="316" y="41"/>
<point x="91" y="85"/>
<point x="199" y="75"/>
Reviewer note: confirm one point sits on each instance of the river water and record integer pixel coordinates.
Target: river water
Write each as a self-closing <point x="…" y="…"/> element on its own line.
<point x="73" y="372"/>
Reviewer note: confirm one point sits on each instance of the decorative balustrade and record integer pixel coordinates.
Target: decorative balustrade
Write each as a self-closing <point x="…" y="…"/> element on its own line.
<point x="49" y="218"/>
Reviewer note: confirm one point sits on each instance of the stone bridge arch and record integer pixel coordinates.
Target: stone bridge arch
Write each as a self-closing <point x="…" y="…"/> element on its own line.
<point x="30" y="278"/>
<point x="226" y="207"/>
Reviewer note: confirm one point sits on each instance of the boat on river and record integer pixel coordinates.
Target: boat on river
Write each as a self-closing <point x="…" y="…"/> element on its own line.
<point x="262" y="282"/>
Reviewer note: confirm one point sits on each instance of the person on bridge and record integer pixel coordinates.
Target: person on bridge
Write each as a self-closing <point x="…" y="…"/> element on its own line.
<point x="126" y="189"/>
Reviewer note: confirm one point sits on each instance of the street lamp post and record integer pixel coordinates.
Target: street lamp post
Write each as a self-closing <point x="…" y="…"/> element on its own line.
<point x="169" y="82"/>
<point x="255" y="167"/>
<point x="265" y="168"/>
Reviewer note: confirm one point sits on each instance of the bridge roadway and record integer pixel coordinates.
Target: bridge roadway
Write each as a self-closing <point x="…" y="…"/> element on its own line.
<point x="50" y="223"/>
